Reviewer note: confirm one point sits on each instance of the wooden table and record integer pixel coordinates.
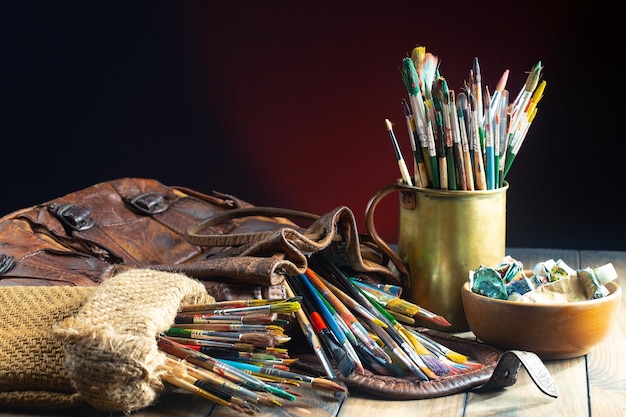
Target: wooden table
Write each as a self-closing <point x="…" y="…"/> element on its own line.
<point x="592" y="385"/>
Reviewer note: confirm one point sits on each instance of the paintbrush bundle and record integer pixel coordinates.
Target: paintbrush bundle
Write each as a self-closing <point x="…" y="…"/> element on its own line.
<point x="466" y="140"/>
<point x="358" y="331"/>
<point x="235" y="364"/>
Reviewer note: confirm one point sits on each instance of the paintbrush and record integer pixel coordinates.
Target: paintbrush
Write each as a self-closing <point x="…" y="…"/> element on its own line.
<point x="395" y="290"/>
<point x="420" y="172"/>
<point x="235" y="304"/>
<point x="440" y="100"/>
<point x="467" y="150"/>
<point x="400" y="305"/>
<point x="256" y="339"/>
<point x="218" y="352"/>
<point x="427" y="359"/>
<point x="419" y="119"/>
<point x="317" y="383"/>
<point x="233" y="327"/>
<point x="282" y="307"/>
<point x="252" y="357"/>
<point x="404" y="171"/>
<point x="459" y="159"/>
<point x="254" y="318"/>
<point x="241" y="347"/>
<point x="399" y="352"/>
<point x="478" y="140"/>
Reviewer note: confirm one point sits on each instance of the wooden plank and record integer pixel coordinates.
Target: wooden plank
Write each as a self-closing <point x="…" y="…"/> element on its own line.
<point x="360" y="406"/>
<point x="606" y="363"/>
<point x="524" y="398"/>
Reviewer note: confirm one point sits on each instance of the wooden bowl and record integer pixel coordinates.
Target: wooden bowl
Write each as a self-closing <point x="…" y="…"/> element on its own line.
<point x="551" y="330"/>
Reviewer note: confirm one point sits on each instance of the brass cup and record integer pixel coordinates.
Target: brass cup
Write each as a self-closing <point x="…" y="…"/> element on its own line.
<point x="442" y="235"/>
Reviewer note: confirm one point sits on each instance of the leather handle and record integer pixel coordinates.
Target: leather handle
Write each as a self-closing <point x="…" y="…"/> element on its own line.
<point x="371" y="230"/>
<point x="237" y="239"/>
<point x="507" y="369"/>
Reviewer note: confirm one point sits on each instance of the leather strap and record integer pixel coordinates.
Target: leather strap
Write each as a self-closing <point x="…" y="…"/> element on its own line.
<point x="236" y="239"/>
<point x="507" y="369"/>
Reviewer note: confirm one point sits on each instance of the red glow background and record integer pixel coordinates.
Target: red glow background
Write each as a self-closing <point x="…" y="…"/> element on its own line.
<point x="283" y="103"/>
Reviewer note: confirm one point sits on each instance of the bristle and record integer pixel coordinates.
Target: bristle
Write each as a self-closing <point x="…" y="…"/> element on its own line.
<point x="473" y="365"/>
<point x="441" y="321"/>
<point x="503" y="80"/>
<point x="427" y="72"/>
<point x="259" y="340"/>
<point x="417" y="55"/>
<point x="328" y="385"/>
<point x="456" y="357"/>
<point x="402" y="306"/>
<point x="435" y="364"/>
<point x="429" y="372"/>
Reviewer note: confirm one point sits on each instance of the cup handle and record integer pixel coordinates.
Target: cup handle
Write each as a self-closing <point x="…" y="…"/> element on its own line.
<point x="371" y="230"/>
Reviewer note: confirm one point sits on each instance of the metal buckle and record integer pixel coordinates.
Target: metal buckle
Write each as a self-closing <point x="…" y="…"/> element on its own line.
<point x="72" y="215"/>
<point x="149" y="203"/>
<point x="6" y="263"/>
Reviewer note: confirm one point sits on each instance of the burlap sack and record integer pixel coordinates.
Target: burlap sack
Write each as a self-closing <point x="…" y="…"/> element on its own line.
<point x="70" y="346"/>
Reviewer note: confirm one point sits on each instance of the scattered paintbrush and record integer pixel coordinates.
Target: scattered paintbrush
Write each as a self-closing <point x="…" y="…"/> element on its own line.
<point x="400" y="305"/>
<point x="241" y="347"/>
<point x="317" y="383"/>
<point x="346" y="314"/>
<point x="194" y="389"/>
<point x="252" y="318"/>
<point x="281" y="307"/>
<point x="217" y="305"/>
<point x="311" y="336"/>
<point x="256" y="339"/>
<point x="215" y="365"/>
<point x="333" y="337"/>
<point x="180" y="366"/>
<point x="404" y="171"/>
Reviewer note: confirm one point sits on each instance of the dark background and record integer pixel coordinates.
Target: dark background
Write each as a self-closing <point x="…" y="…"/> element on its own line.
<point x="283" y="103"/>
